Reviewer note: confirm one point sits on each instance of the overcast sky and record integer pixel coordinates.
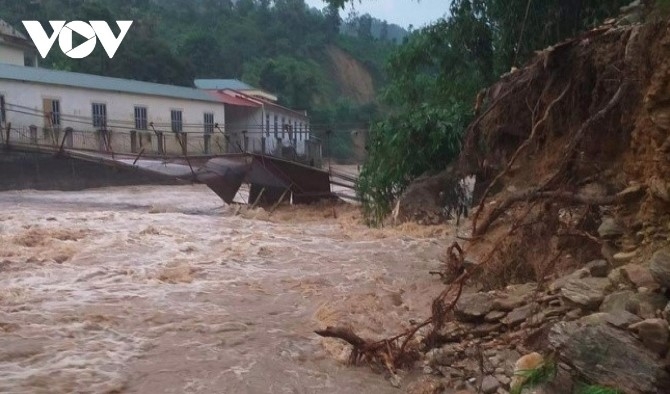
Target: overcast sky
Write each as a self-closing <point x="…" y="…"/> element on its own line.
<point x="400" y="12"/>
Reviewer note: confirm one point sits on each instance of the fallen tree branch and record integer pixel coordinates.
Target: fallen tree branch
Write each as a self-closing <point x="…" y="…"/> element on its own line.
<point x="345" y="334"/>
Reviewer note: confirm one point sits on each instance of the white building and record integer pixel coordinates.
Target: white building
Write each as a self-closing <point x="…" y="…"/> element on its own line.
<point x="113" y="115"/>
<point x="256" y="122"/>
<point x="15" y="48"/>
<point x="108" y="114"/>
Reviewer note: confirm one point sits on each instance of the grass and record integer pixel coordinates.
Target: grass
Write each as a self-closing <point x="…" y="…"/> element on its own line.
<point x="594" y="389"/>
<point x="537" y="376"/>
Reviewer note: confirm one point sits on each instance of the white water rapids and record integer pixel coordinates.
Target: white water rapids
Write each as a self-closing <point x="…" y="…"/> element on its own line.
<point x="163" y="289"/>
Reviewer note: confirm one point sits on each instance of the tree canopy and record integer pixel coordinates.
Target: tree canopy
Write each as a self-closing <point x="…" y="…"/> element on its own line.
<point x="435" y="76"/>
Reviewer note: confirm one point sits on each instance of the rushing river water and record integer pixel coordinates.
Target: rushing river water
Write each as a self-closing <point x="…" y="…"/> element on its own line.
<point x="167" y="290"/>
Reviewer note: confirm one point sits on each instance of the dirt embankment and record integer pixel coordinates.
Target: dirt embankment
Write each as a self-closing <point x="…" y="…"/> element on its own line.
<point x="579" y="136"/>
<point x="352" y="77"/>
<point x="569" y="251"/>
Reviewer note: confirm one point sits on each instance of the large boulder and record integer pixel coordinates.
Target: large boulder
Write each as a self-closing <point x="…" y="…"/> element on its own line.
<point x="659" y="266"/>
<point x="474" y="306"/>
<point x="639" y="276"/>
<point x="609" y="357"/>
<point x="646" y="305"/>
<point x="587" y="293"/>
<point x="654" y="334"/>
<point x="616" y="301"/>
<point x="610" y="228"/>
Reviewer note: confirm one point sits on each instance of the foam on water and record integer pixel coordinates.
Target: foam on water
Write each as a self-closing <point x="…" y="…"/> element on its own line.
<point x="165" y="289"/>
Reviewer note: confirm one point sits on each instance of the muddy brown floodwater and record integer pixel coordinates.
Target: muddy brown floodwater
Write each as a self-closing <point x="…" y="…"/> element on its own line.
<point x="167" y="290"/>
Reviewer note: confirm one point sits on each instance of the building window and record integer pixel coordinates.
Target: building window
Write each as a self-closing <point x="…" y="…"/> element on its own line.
<point x="141" y="118"/>
<point x="267" y="125"/>
<point x="276" y="126"/>
<point x="99" y="116"/>
<point x="55" y="113"/>
<point x="177" y="125"/>
<point x="209" y="122"/>
<point x="3" y="110"/>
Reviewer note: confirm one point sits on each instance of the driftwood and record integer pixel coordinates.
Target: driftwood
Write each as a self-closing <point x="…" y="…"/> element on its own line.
<point x="387" y="352"/>
<point x="345" y="334"/>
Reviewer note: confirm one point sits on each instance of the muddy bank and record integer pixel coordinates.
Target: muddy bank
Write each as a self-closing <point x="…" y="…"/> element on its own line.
<point x="163" y="289"/>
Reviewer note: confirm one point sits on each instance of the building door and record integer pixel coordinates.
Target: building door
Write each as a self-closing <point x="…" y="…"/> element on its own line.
<point x="209" y="130"/>
<point x="52" y="121"/>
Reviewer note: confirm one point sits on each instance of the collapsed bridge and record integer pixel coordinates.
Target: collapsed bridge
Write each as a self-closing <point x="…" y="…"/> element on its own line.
<point x="271" y="180"/>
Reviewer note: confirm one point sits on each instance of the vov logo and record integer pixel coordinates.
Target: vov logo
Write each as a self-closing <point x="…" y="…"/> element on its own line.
<point x="92" y="32"/>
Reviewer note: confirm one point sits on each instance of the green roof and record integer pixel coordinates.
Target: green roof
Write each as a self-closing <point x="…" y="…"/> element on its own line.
<point x="88" y="81"/>
<point x="221" y="84"/>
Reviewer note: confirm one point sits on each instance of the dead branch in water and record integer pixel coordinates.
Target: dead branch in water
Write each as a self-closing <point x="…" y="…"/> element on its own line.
<point x="345" y="334"/>
<point x="387" y="352"/>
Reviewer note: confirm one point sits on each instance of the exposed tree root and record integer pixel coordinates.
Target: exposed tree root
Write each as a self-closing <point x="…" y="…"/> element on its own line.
<point x="516" y="154"/>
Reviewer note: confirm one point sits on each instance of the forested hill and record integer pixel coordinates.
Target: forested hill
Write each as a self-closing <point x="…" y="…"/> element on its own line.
<point x="282" y="46"/>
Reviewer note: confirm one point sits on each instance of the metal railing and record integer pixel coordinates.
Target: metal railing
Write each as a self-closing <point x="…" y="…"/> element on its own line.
<point x="160" y="143"/>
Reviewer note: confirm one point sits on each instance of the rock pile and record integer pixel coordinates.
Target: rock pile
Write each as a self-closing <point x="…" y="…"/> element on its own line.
<point x="597" y="325"/>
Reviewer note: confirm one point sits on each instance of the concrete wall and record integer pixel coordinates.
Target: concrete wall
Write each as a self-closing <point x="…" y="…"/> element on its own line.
<point x="76" y="112"/>
<point x="45" y="172"/>
<point x="247" y="119"/>
<point x="287" y="117"/>
<point x="253" y="120"/>
<point x="11" y="55"/>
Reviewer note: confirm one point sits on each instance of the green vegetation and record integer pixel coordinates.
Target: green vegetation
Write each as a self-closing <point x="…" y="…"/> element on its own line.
<point x="434" y="78"/>
<point x="534" y="377"/>
<point x="280" y="46"/>
<point x="594" y="389"/>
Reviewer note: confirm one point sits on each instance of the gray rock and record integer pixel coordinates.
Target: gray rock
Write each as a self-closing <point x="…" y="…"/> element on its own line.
<point x="504" y="380"/>
<point x="610" y="228"/>
<point x="561" y="282"/>
<point x="598" y="268"/>
<point x="482" y="330"/>
<point x="622" y="319"/>
<point x="639" y="276"/>
<point x="494" y="316"/>
<point x="659" y="266"/>
<point x="616" y="301"/>
<point x="473" y="306"/>
<point x="610" y="357"/>
<point x="666" y="312"/>
<point x="518" y="315"/>
<point x="645" y="305"/>
<point x="624" y="257"/>
<point x="574" y="314"/>
<point x="587" y="293"/>
<point x="508" y="303"/>
<point x="654" y="334"/>
<point x="490" y="384"/>
<point x="618" y="281"/>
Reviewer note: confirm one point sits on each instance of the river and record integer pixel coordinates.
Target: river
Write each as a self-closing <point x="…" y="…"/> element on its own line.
<point x="165" y="289"/>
